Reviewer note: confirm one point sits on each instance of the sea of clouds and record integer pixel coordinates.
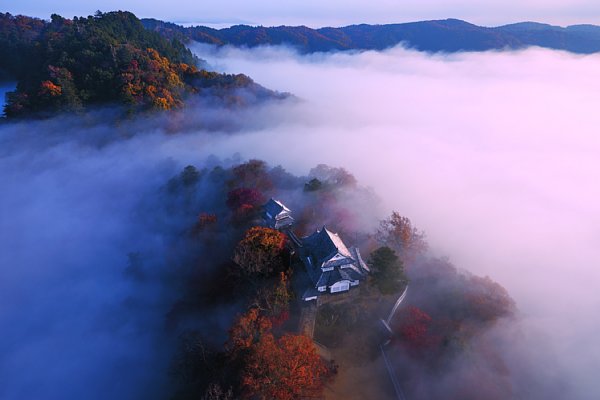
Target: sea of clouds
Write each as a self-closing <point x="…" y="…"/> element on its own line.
<point x="494" y="155"/>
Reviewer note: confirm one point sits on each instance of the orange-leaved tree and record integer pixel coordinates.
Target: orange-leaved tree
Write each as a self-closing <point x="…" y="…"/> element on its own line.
<point x="246" y="331"/>
<point x="273" y="299"/>
<point x="261" y="252"/>
<point x="399" y="233"/>
<point x="283" y="369"/>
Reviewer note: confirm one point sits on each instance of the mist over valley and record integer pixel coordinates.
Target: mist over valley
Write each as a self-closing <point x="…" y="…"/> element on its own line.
<point x="120" y="235"/>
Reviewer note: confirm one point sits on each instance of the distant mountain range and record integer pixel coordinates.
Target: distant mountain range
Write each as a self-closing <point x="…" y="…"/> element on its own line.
<point x="450" y="35"/>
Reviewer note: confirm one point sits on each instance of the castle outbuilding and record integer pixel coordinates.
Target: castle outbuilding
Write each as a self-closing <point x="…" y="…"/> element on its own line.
<point x="277" y="215"/>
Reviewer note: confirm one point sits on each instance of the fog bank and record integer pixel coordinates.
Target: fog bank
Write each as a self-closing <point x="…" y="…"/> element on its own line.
<point x="494" y="155"/>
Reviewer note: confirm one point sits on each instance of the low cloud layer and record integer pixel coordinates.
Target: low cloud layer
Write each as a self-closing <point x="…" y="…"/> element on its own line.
<point x="494" y="155"/>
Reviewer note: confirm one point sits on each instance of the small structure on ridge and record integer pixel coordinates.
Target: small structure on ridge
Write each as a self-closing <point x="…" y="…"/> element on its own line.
<point x="277" y="215"/>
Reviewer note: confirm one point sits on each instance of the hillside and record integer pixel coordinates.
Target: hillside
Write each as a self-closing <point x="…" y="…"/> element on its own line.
<point x="258" y="274"/>
<point x="449" y="35"/>
<point x="105" y="59"/>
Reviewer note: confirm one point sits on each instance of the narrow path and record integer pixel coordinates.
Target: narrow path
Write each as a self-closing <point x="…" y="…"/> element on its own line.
<point x="392" y="373"/>
<point x="398" y="302"/>
<point x="388" y="364"/>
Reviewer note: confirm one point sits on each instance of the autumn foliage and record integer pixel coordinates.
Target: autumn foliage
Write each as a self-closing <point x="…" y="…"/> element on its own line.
<point x="244" y="203"/>
<point x="440" y="322"/>
<point x="105" y="59"/>
<point x="283" y="369"/>
<point x="260" y="252"/>
<point x="48" y="88"/>
<point x="487" y="300"/>
<point x="460" y="295"/>
<point x="273" y="368"/>
<point x="274" y="299"/>
<point x="151" y="80"/>
<point x="399" y="233"/>
<point x="247" y="330"/>
<point x="241" y="196"/>
<point x="449" y="308"/>
<point x="414" y="328"/>
<point x="251" y="174"/>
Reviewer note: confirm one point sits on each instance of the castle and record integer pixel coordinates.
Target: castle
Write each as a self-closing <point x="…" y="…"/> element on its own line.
<point x="331" y="266"/>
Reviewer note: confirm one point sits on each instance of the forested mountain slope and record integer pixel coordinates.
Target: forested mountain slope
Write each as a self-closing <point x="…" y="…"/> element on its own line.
<point x="105" y="59"/>
<point x="449" y="35"/>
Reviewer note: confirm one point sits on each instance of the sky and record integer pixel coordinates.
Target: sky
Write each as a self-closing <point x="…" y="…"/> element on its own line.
<point x="317" y="13"/>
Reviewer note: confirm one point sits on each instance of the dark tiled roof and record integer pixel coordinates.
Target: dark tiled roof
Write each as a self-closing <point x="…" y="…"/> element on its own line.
<point x="323" y="245"/>
<point x="361" y="264"/>
<point x="351" y="274"/>
<point x="324" y="279"/>
<point x="317" y="251"/>
<point x="328" y="278"/>
<point x="276" y="214"/>
<point x="274" y="207"/>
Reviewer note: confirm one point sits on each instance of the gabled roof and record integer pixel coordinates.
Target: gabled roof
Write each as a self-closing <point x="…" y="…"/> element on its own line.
<point x="275" y="207"/>
<point x="361" y="264"/>
<point x="328" y="260"/>
<point x="328" y="278"/>
<point x="323" y="245"/>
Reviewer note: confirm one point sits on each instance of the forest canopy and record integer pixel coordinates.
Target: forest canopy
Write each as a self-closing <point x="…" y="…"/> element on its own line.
<point x="104" y="59"/>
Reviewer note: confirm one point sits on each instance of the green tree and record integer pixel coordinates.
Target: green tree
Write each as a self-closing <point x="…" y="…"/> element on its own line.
<point x="387" y="270"/>
<point x="313" y="185"/>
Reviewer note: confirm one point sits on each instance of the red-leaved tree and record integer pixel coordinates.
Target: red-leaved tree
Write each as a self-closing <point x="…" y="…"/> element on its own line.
<point x="242" y="196"/>
<point x="413" y="328"/>
<point x="253" y="173"/>
<point x="244" y="203"/>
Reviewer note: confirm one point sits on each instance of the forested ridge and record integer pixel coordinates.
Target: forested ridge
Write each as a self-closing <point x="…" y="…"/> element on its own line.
<point x="249" y="269"/>
<point x="104" y="59"/>
<point x="450" y="35"/>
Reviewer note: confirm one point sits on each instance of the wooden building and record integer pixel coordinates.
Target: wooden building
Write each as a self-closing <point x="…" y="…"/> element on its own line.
<point x="331" y="266"/>
<point x="277" y="215"/>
